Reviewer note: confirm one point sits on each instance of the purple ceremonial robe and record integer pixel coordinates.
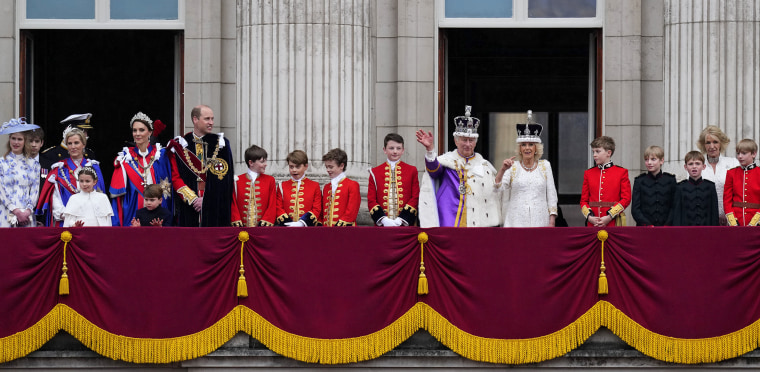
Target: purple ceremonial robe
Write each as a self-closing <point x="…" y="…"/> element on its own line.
<point x="447" y="193"/>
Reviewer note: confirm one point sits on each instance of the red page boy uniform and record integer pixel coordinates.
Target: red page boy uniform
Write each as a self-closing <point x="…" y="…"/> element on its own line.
<point x="606" y="191"/>
<point x="341" y="207"/>
<point x="253" y="203"/>
<point x="741" y="196"/>
<point x="393" y="192"/>
<point x="299" y="200"/>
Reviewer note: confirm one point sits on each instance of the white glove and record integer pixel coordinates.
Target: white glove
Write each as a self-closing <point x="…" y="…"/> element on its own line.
<point x="298" y="223"/>
<point x="387" y="222"/>
<point x="399" y="221"/>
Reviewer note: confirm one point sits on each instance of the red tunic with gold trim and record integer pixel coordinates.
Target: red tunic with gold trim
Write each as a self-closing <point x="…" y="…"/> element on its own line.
<point x="342" y="208"/>
<point x="254" y="203"/>
<point x="393" y="193"/>
<point x="741" y="196"/>
<point x="303" y="204"/>
<point x="606" y="191"/>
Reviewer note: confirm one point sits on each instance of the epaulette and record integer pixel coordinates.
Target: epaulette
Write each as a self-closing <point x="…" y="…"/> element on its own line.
<point x="48" y="149"/>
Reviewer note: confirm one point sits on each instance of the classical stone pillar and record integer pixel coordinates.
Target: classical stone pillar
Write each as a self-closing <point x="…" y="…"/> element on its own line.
<point x="304" y="78"/>
<point x="712" y="71"/>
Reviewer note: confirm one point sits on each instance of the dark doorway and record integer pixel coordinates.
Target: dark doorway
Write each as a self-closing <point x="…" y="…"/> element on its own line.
<point x="502" y="73"/>
<point x="112" y="74"/>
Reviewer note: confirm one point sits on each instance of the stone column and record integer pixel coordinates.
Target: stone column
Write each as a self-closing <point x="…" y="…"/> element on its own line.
<point x="712" y="71"/>
<point x="304" y="81"/>
<point x="8" y="97"/>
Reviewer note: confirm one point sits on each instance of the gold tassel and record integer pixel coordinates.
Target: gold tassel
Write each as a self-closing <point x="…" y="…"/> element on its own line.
<point x="63" y="286"/>
<point x="602" y="235"/>
<point x="242" y="287"/>
<point x="422" y="284"/>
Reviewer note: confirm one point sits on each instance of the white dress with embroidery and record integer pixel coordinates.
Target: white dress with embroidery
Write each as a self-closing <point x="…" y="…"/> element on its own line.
<point x="529" y="197"/>
<point x="19" y="187"/>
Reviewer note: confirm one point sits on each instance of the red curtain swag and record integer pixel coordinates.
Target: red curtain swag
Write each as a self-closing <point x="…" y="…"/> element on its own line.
<point x="324" y="295"/>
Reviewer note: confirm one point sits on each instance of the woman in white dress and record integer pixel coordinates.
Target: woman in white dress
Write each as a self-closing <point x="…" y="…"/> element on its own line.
<point x="529" y="197"/>
<point x="19" y="177"/>
<point x="712" y="142"/>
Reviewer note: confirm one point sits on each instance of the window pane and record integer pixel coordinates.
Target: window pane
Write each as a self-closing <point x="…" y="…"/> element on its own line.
<point x="572" y="151"/>
<point x="144" y="9"/>
<point x="561" y="8"/>
<point x="57" y="9"/>
<point x="478" y="8"/>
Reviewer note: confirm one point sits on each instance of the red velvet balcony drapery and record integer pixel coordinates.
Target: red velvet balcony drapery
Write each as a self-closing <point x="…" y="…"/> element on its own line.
<point x="325" y="295"/>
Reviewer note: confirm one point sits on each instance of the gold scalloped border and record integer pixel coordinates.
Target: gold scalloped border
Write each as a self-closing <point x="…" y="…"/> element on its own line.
<point x="679" y="350"/>
<point x="371" y="346"/>
<point x="333" y="351"/>
<point x="512" y="351"/>
<point x="20" y="344"/>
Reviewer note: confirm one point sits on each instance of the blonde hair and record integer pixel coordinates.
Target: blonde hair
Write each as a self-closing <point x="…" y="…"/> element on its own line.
<point x="539" y="151"/>
<point x="714" y="131"/>
<point x="655" y="151"/>
<point x="746" y="145"/>
<point x="76" y="132"/>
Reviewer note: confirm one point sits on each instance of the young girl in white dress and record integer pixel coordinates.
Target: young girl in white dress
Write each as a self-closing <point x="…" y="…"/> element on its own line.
<point x="19" y="177"/>
<point x="529" y="197"/>
<point x="87" y="207"/>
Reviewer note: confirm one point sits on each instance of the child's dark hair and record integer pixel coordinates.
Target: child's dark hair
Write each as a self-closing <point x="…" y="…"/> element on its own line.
<point x="395" y="137"/>
<point x="298" y="157"/>
<point x="153" y="191"/>
<point x="35" y="134"/>
<point x="254" y="153"/>
<point x="337" y="155"/>
<point x="604" y="142"/>
<point x="90" y="171"/>
<point x="693" y="155"/>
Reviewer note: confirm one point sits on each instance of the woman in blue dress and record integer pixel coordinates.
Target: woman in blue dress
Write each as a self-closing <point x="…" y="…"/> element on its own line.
<point x="61" y="182"/>
<point x="142" y="165"/>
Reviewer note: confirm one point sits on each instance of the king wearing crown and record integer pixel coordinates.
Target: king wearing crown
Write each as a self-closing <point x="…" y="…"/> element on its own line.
<point x="458" y="187"/>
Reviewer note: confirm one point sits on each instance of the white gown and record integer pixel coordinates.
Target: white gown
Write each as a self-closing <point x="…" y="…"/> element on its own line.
<point x="529" y="197"/>
<point x="718" y="176"/>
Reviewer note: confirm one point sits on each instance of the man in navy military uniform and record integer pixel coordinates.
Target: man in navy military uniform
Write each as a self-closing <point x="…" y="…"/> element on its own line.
<point x="57" y="153"/>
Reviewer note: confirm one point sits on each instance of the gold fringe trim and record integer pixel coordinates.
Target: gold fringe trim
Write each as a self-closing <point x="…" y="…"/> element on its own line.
<point x="357" y="349"/>
<point x="679" y="350"/>
<point x="333" y="351"/>
<point x="150" y="350"/>
<point x="22" y="343"/>
<point x="514" y="351"/>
